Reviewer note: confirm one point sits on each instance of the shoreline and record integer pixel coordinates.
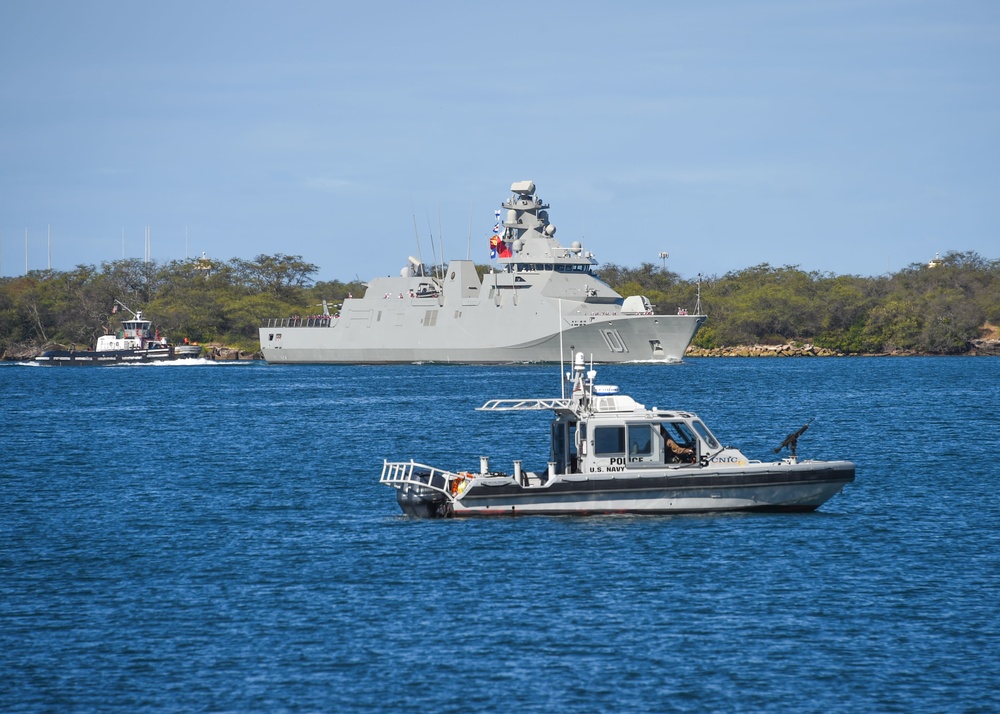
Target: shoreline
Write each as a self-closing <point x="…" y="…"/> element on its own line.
<point x="977" y="348"/>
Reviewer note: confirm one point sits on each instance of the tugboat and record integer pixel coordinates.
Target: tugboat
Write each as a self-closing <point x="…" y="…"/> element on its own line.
<point x="136" y="342"/>
<point x="610" y="454"/>
<point x="539" y="296"/>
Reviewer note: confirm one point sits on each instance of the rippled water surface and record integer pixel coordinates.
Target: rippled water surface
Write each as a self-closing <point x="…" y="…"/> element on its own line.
<point x="214" y="538"/>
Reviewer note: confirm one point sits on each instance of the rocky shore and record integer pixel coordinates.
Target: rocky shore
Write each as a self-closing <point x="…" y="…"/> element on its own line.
<point x="787" y="350"/>
<point x="986" y="347"/>
<point x="221" y="353"/>
<point x="976" y="348"/>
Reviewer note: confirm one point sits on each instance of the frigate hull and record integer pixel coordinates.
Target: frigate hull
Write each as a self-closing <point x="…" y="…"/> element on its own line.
<point x="406" y="334"/>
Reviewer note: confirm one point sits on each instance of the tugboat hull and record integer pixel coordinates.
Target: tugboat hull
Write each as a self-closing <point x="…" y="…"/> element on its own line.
<point x="63" y="358"/>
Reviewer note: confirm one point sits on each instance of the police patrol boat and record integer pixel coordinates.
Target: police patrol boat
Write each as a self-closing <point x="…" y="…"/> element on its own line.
<point x="136" y="342"/>
<point x="540" y="293"/>
<point x="610" y="454"/>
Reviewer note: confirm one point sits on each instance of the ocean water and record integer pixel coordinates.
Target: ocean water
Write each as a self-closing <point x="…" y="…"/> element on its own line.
<point x="213" y="537"/>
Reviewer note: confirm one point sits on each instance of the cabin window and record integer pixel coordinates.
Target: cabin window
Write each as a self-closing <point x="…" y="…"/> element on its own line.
<point x="640" y="440"/>
<point x="705" y="434"/>
<point x="609" y="440"/>
<point x="558" y="441"/>
<point x="680" y="433"/>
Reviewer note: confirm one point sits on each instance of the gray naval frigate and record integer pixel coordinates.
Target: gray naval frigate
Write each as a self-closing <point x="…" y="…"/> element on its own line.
<point x="542" y="303"/>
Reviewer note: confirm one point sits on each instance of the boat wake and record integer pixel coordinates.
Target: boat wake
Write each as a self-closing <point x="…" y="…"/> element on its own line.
<point x="185" y="362"/>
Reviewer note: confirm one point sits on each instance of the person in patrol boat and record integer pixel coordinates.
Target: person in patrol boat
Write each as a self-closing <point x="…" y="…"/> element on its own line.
<point x="675" y="452"/>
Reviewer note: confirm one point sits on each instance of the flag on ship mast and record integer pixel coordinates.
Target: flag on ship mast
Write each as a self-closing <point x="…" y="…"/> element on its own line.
<point x="497" y="244"/>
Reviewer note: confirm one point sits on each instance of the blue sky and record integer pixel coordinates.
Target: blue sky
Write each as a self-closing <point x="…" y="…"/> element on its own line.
<point x="838" y="136"/>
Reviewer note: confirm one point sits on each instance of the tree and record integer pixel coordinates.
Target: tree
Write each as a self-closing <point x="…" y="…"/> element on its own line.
<point x="283" y="276"/>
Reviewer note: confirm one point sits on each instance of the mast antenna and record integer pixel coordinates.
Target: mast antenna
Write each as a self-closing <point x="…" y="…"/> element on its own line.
<point x="441" y="242"/>
<point x="468" y="254"/>
<point x="433" y="251"/>
<point x="420" y="257"/>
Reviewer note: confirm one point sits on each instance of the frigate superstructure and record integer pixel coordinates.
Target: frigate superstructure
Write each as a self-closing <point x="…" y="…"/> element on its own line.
<point x="541" y="302"/>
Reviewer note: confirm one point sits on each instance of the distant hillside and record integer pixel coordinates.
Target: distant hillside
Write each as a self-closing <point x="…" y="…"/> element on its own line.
<point x="938" y="309"/>
<point x="931" y="309"/>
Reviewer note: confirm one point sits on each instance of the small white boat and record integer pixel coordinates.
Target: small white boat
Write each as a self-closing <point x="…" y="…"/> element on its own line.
<point x="610" y="454"/>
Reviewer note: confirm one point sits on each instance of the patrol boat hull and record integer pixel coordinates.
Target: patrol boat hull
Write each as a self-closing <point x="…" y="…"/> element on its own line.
<point x="780" y="487"/>
<point x="540" y="302"/>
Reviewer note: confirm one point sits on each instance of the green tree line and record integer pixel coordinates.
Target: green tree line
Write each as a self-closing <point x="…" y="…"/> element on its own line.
<point x="935" y="310"/>
<point x="203" y="300"/>
<point x="929" y="309"/>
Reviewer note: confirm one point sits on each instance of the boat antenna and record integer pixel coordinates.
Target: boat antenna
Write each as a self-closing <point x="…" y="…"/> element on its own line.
<point x="420" y="257"/>
<point x="697" y="305"/>
<point x="468" y="253"/>
<point x="561" y="353"/>
<point x="441" y="241"/>
<point x="430" y="231"/>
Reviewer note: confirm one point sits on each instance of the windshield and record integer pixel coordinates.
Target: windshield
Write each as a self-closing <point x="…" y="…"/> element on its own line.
<point x="705" y="433"/>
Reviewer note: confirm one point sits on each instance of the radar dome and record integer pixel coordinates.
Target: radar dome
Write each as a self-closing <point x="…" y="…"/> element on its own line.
<point x="517" y="245"/>
<point x="550" y="230"/>
<point x="575" y="247"/>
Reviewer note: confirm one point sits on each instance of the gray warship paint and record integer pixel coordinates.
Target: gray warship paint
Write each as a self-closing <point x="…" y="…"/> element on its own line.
<point x="542" y="304"/>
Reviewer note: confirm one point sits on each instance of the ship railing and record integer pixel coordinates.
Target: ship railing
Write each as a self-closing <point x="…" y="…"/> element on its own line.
<point x="319" y="321"/>
<point x="529" y="405"/>
<point x="401" y="473"/>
